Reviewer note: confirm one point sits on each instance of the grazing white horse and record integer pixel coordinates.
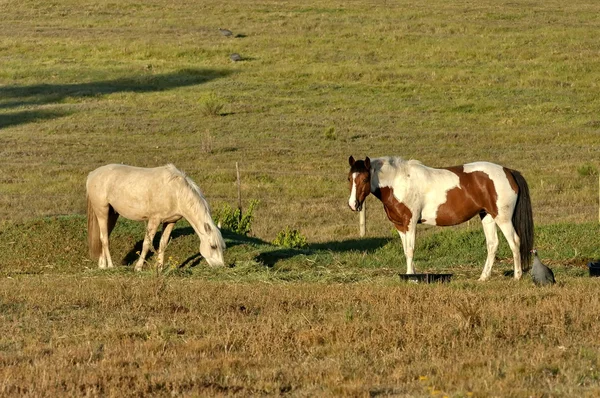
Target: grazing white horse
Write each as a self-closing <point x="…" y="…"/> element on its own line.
<point x="413" y="193"/>
<point x="161" y="195"/>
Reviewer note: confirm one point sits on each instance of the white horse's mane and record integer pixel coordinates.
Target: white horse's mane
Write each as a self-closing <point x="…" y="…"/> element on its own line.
<point x="192" y="196"/>
<point x="178" y="174"/>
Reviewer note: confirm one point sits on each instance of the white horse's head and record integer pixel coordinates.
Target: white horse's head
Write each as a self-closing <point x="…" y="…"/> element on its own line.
<point x="212" y="245"/>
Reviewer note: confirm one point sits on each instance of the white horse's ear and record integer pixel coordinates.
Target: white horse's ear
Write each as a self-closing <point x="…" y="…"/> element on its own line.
<point x="367" y="163"/>
<point x="351" y="160"/>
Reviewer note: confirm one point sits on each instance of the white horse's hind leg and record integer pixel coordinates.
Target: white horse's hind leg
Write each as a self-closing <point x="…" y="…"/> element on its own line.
<point x="164" y="239"/>
<point x="104" y="261"/>
<point x="408" y="244"/>
<point x="515" y="243"/>
<point x="491" y="239"/>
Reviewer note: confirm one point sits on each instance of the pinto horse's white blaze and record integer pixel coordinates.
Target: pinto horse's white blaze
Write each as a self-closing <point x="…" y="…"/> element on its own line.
<point x="412" y="193"/>
<point x="352" y="199"/>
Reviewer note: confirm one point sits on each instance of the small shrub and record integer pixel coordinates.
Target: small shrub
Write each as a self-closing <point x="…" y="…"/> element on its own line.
<point x="587" y="170"/>
<point x="291" y="238"/>
<point x="330" y="133"/>
<point x="236" y="221"/>
<point x="211" y="105"/>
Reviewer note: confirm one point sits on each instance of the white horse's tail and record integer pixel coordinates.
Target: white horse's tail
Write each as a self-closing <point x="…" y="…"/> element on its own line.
<point x="94" y="243"/>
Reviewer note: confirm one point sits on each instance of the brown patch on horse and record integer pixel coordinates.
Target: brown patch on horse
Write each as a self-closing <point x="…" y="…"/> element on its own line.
<point x="398" y="213"/>
<point x="476" y="194"/>
<point x="511" y="179"/>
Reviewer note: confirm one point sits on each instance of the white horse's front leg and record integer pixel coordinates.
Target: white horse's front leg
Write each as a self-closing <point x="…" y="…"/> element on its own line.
<point x="150" y="232"/>
<point x="164" y="240"/>
<point x="408" y="244"/>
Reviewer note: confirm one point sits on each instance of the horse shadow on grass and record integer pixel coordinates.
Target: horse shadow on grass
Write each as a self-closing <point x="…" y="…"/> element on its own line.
<point x="232" y="239"/>
<point x="267" y="257"/>
<point x="368" y="245"/>
<point x="14" y="96"/>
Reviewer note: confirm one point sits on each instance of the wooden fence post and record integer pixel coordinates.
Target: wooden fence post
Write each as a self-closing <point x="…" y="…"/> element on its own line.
<point x="239" y="190"/>
<point x="362" y="217"/>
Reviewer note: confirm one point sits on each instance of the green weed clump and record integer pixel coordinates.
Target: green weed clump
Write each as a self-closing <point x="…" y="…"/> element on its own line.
<point x="235" y="220"/>
<point x="212" y="105"/>
<point x="330" y="133"/>
<point x="291" y="238"/>
<point x="587" y="169"/>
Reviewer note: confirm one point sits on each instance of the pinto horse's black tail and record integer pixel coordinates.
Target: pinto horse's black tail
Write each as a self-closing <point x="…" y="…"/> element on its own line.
<point x="522" y="220"/>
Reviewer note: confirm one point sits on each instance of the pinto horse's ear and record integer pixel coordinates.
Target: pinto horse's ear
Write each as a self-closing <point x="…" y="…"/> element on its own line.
<point x="351" y="160"/>
<point x="368" y="163"/>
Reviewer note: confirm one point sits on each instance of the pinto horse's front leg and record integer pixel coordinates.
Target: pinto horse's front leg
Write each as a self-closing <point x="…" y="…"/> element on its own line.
<point x="408" y="244"/>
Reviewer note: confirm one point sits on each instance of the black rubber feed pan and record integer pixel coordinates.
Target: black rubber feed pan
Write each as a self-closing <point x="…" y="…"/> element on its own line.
<point x="594" y="268"/>
<point x="426" y="278"/>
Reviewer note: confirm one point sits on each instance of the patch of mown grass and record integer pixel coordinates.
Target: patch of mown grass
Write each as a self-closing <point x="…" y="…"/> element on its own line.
<point x="59" y="246"/>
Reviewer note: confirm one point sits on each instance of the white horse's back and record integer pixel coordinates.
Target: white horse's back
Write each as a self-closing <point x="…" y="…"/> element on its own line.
<point x="137" y="193"/>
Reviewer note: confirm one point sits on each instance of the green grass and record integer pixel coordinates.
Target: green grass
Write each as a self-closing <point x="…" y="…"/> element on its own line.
<point x="59" y="246"/>
<point x="86" y="84"/>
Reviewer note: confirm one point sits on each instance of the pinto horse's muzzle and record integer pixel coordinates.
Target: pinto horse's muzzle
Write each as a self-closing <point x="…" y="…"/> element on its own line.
<point x="357" y="206"/>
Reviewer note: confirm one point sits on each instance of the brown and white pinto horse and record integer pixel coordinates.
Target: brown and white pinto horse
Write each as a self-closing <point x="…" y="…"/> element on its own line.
<point x="413" y="193"/>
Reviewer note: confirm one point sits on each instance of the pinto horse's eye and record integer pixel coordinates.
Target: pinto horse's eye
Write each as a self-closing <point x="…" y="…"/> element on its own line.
<point x="366" y="180"/>
<point x="348" y="179"/>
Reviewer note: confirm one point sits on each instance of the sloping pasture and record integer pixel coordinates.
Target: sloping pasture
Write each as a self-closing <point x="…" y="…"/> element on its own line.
<point x="85" y="83"/>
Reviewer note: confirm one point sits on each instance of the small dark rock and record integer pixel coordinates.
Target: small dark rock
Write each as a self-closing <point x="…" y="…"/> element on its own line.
<point x="226" y="32"/>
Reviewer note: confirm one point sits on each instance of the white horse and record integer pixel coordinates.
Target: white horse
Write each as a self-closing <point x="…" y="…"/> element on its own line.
<point x="413" y="193"/>
<point x="161" y="195"/>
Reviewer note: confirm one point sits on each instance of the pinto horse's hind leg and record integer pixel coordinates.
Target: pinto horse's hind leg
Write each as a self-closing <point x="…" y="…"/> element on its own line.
<point x="491" y="239"/>
<point x="514" y="242"/>
<point x="150" y="232"/>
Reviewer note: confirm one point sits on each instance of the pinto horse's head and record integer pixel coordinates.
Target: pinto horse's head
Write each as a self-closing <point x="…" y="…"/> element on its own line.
<point x="359" y="178"/>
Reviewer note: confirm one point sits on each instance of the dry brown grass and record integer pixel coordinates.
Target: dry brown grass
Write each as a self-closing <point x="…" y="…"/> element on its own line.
<point x="105" y="336"/>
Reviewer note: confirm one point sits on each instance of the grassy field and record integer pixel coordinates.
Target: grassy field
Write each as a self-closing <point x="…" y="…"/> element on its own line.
<point x="85" y="83"/>
<point x="332" y="319"/>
